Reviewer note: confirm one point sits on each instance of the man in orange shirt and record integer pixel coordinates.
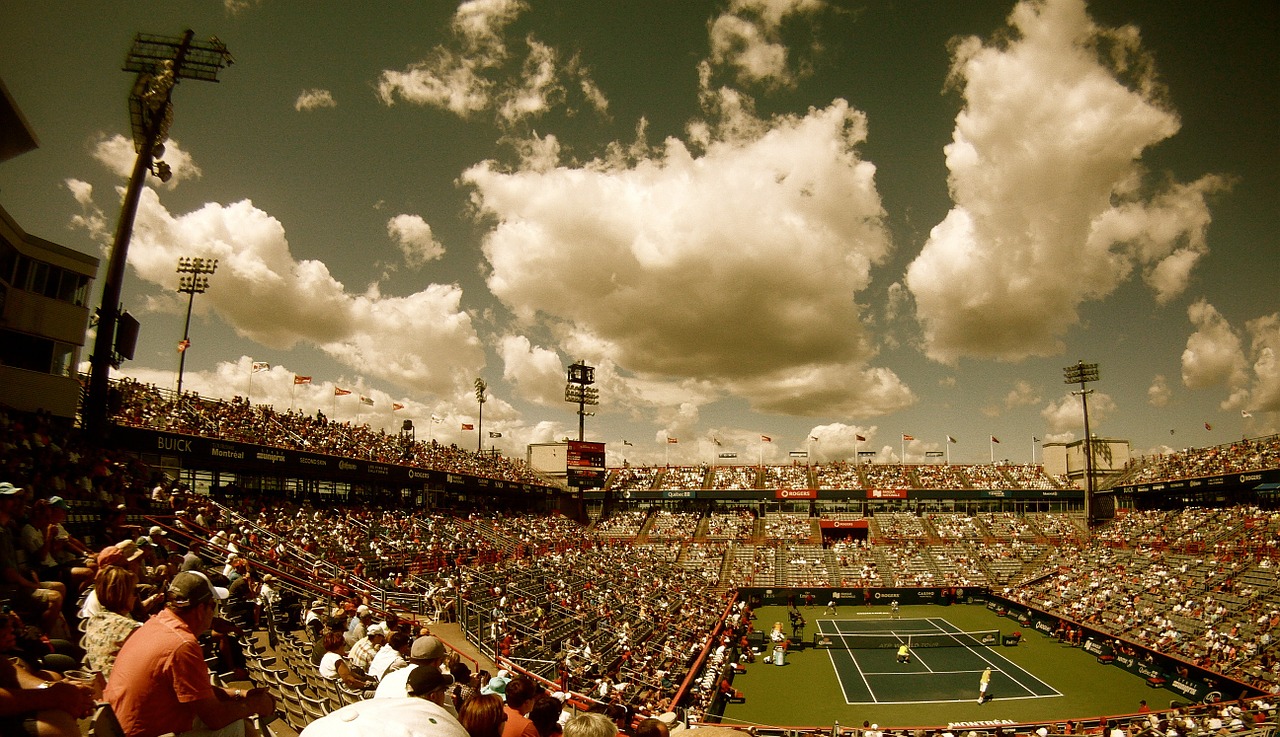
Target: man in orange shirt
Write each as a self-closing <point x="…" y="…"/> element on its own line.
<point x="160" y="682"/>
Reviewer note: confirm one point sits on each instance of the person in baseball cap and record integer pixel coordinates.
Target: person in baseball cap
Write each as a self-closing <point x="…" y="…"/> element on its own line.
<point x="193" y="587"/>
<point x="160" y="682"/>
<point x="427" y="652"/>
<point x="429" y="683"/>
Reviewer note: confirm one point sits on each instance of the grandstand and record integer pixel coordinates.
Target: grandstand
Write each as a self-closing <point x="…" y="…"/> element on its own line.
<point x="643" y="582"/>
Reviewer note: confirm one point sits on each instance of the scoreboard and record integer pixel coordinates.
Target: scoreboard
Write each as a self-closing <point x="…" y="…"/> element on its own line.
<point x="584" y="464"/>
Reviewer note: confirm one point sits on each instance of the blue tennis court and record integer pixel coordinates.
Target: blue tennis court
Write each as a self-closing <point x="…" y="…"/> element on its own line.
<point x="946" y="663"/>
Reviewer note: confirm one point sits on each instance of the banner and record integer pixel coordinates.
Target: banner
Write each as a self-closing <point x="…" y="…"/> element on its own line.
<point x="886" y="493"/>
<point x="796" y="494"/>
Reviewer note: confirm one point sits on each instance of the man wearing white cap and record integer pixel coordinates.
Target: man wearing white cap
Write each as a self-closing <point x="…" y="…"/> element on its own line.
<point x="362" y="653"/>
<point x="160" y="682"/>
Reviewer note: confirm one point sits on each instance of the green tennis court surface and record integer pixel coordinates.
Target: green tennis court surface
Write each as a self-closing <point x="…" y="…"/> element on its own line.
<point x="945" y="668"/>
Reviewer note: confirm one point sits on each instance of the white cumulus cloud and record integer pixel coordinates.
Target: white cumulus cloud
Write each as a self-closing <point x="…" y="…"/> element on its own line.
<point x="737" y="267"/>
<point x="1051" y="207"/>
<point x="413" y="236"/>
<point x="118" y="155"/>
<point x="272" y="298"/>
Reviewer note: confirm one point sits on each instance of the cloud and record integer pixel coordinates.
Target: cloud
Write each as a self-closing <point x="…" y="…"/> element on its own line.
<point x="314" y="99"/>
<point x="91" y="218"/>
<point x="118" y="155"/>
<point x="1065" y="416"/>
<point x="1051" y="207"/>
<point x="538" y="374"/>
<point x="268" y="296"/>
<point x="413" y="236"/>
<point x="1158" y="394"/>
<point x="746" y="40"/>
<point x="1021" y="395"/>
<point x="1216" y="356"/>
<point x="737" y="267"/>
<point x="838" y="441"/>
<point x="478" y="72"/>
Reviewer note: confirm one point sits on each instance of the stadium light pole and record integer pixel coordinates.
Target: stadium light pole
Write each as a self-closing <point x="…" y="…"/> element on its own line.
<point x="1082" y="373"/>
<point x="480" y="399"/>
<point x="193" y="279"/>
<point x="160" y="63"/>
<point x="578" y="390"/>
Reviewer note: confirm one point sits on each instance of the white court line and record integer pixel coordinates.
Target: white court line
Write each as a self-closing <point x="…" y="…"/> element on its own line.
<point x="831" y="654"/>
<point x="997" y="667"/>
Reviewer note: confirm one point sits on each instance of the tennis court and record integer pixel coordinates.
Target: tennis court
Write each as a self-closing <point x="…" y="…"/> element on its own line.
<point x="946" y="663"/>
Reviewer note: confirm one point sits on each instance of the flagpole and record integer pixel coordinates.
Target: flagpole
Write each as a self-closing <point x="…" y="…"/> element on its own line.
<point x="902" y="444"/>
<point x="248" y="395"/>
<point x="947" y="443"/>
<point x="292" y="391"/>
<point x="991" y="443"/>
<point x="1033" y="450"/>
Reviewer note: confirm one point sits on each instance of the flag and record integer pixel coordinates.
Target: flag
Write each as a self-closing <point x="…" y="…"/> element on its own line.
<point x="813" y="438"/>
<point x="260" y="366"/>
<point x="436" y="419"/>
<point x="468" y="426"/>
<point x="994" y="439"/>
<point x="950" y="439"/>
<point x="1245" y="413"/>
<point x="1207" y="426"/>
<point x="860" y="438"/>
<point x="627" y="442"/>
<point x="183" y="345"/>
<point x="716" y="441"/>
<point x="396" y="406"/>
<point x="673" y="441"/>
<point x="766" y="439"/>
<point x="367" y="401"/>
<point x="908" y="437"/>
<point x="495" y="434"/>
<point x="1034" y="439"/>
<point x="301" y="379"/>
<point x="340" y="392"/>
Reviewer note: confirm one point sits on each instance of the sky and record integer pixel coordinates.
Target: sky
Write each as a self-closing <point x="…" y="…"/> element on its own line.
<point x="772" y="226"/>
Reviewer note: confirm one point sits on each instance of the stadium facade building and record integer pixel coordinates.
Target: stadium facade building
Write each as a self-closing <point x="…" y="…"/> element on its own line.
<point x="44" y="297"/>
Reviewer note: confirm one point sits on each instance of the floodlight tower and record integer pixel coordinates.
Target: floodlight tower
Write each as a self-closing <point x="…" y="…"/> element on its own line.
<point x="579" y="391"/>
<point x="480" y="399"/>
<point x="193" y="279"/>
<point x="1082" y="373"/>
<point x="160" y="63"/>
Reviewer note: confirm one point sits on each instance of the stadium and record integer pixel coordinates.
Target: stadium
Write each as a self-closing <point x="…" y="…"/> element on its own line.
<point x="651" y="597"/>
<point x="199" y="561"/>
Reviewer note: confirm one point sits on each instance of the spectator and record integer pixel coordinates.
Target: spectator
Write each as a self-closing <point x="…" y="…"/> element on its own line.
<point x="160" y="682"/>
<point x="590" y="725"/>
<point x="545" y="715"/>
<point x="482" y="715"/>
<point x="43" y="599"/>
<point x="107" y="630"/>
<point x="520" y="694"/>
<point x="334" y="665"/>
<point x="51" y="708"/>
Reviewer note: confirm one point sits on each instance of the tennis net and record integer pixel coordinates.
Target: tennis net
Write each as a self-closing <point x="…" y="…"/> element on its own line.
<point x="865" y="641"/>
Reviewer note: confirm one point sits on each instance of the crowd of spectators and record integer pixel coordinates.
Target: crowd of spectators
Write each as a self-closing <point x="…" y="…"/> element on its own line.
<point x="731" y="525"/>
<point x="1245" y="455"/>
<point x="626" y="622"/>
<point x="142" y="405"/>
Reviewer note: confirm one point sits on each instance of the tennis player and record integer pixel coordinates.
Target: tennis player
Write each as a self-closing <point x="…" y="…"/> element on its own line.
<point x="893" y="609"/>
<point x="983" y="684"/>
<point x="904" y="653"/>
